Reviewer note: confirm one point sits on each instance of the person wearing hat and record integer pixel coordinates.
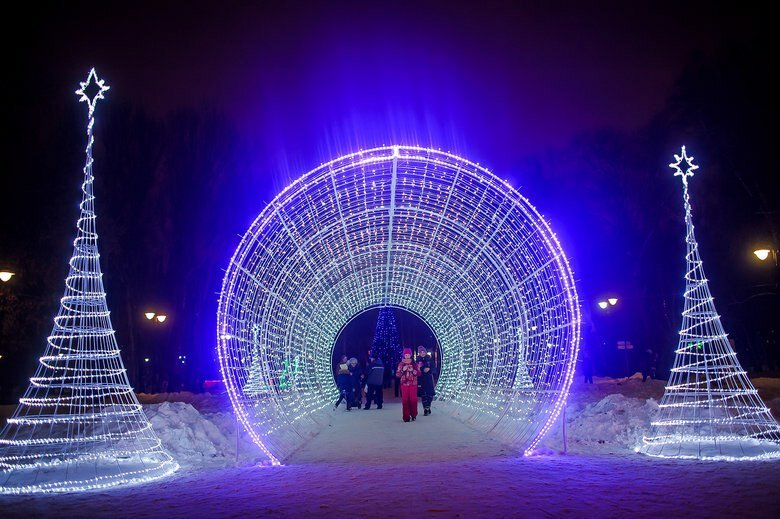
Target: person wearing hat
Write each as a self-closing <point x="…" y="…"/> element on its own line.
<point x="408" y="372"/>
<point x="425" y="385"/>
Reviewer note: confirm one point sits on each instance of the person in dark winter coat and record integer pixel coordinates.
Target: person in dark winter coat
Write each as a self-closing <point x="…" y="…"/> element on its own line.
<point x="374" y="381"/>
<point x="587" y="366"/>
<point x="408" y="372"/>
<point x="344" y="382"/>
<point x="425" y="385"/>
<point x="357" y="387"/>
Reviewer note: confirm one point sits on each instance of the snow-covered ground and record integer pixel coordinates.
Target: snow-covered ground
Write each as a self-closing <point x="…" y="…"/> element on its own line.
<point x="371" y="464"/>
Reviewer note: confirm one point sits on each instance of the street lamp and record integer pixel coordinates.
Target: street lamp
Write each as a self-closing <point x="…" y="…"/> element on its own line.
<point x="160" y="318"/>
<point x="6" y="275"/>
<point x="763" y="254"/>
<point x="604" y="304"/>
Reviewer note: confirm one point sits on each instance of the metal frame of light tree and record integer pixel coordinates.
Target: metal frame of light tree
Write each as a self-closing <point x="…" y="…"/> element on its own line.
<point x="417" y="229"/>
<point x="710" y="409"/>
<point x="79" y="425"/>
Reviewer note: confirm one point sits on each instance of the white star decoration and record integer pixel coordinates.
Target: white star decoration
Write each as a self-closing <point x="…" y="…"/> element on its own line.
<point x="688" y="162"/>
<point x="101" y="87"/>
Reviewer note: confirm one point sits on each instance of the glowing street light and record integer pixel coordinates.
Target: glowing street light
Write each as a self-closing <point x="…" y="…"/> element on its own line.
<point x="613" y="301"/>
<point x="761" y="254"/>
<point x="5" y="275"/>
<point x="160" y="318"/>
<point x="603" y="305"/>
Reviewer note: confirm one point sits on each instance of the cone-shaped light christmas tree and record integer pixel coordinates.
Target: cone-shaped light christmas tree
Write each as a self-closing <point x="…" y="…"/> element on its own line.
<point x="710" y="409"/>
<point x="386" y="344"/>
<point x="79" y="425"/>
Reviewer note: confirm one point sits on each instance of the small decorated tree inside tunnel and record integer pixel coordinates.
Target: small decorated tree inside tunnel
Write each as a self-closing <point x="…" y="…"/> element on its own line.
<point x="386" y="344"/>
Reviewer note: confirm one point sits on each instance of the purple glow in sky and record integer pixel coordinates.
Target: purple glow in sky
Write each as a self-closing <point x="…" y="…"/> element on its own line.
<point x="501" y="79"/>
<point x="579" y="106"/>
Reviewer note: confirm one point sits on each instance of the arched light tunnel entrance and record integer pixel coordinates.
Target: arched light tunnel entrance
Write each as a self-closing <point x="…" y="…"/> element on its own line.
<point x="417" y="229"/>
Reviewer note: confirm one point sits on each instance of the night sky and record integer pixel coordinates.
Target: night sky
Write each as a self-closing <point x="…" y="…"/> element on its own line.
<point x="579" y="106"/>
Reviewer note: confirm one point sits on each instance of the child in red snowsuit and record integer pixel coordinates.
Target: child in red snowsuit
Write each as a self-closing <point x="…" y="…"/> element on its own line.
<point x="408" y="372"/>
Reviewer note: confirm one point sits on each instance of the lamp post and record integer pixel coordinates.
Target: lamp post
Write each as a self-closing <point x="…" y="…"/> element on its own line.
<point x="151" y="362"/>
<point x="6" y="275"/>
<point x="608" y="305"/>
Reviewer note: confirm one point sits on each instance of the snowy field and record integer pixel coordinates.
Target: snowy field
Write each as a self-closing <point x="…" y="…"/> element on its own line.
<point x="371" y="464"/>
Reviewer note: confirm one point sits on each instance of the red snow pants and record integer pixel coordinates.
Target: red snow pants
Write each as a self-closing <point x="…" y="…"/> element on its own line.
<point x="409" y="400"/>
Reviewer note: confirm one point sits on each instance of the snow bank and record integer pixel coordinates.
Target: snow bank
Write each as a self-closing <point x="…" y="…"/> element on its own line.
<point x="199" y="430"/>
<point x="607" y="417"/>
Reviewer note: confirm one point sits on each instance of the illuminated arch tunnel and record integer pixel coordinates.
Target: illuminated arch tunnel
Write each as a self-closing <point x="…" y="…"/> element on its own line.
<point x="417" y="229"/>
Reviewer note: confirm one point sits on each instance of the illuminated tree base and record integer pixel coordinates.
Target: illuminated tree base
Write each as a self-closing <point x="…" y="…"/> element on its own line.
<point x="87" y="474"/>
<point x="734" y="449"/>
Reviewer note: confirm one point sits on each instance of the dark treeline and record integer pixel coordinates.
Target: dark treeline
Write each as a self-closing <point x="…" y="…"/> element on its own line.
<point x="166" y="190"/>
<point x="174" y="192"/>
<point x="623" y="218"/>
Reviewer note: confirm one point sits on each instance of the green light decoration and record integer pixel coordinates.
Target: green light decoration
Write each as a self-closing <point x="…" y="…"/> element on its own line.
<point x="288" y="374"/>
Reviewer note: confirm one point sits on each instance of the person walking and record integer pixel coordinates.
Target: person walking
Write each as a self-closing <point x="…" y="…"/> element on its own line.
<point x="407" y="371"/>
<point x="344" y="383"/>
<point x="375" y="382"/>
<point x="357" y="388"/>
<point x="425" y="383"/>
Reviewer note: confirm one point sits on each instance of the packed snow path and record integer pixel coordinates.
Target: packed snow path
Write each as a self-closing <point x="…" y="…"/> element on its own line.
<point x="381" y="436"/>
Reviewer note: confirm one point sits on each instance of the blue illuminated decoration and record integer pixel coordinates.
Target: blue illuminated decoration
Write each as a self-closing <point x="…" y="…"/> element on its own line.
<point x="79" y="426"/>
<point x="710" y="409"/>
<point x="386" y="344"/>
<point x="412" y="228"/>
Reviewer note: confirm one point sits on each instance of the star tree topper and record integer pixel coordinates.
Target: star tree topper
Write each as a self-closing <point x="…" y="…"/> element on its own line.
<point x="92" y="89"/>
<point x="688" y="162"/>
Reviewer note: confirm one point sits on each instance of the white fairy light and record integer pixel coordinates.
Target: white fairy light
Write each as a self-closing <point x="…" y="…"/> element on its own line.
<point x="411" y="228"/>
<point x="710" y="409"/>
<point x="79" y="426"/>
